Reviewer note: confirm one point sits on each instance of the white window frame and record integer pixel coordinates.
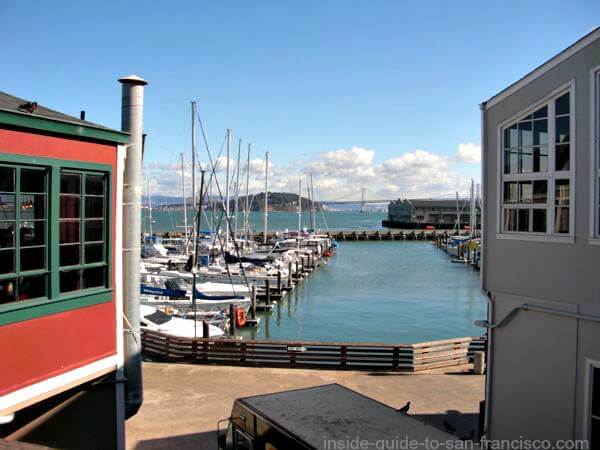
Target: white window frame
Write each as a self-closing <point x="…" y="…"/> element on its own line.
<point x="551" y="175"/>
<point x="590" y="365"/>
<point x="595" y="155"/>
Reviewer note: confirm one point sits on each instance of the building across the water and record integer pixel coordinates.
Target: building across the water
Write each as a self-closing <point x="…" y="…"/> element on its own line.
<point x="421" y="213"/>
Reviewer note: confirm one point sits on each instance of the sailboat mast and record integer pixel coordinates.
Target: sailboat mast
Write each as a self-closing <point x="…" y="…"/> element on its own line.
<point x="193" y="164"/>
<point x="211" y="202"/>
<point x="227" y="191"/>
<point x="471" y="196"/>
<point x="149" y="208"/>
<point x="313" y="222"/>
<point x="237" y="189"/>
<point x="185" y="222"/>
<point x="457" y="216"/>
<point x="299" y="209"/>
<point x="247" y="207"/>
<point x="266" y="207"/>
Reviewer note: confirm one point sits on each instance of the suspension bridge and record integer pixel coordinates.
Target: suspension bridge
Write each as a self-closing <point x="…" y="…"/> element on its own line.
<point x="359" y="196"/>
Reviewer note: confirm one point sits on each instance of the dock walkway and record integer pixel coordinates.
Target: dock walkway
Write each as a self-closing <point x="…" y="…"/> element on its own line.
<point x="375" y="235"/>
<point x="183" y="402"/>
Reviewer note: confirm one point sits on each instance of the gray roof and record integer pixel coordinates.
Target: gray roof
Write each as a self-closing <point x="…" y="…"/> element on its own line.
<point x="17" y="105"/>
<point x="429" y="202"/>
<point x="439" y="202"/>
<point x="335" y="412"/>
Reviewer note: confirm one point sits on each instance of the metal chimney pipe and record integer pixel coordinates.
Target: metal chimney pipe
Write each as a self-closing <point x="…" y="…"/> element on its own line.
<point x="131" y="121"/>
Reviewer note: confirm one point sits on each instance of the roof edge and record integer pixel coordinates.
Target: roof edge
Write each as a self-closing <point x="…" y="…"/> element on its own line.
<point x="586" y="40"/>
<point x="18" y="119"/>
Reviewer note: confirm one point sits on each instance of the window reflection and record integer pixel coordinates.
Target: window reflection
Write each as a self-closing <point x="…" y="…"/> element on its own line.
<point x="523" y="220"/>
<point x="33" y="181"/>
<point x="7" y="291"/>
<point x="527" y="150"/>
<point x="70" y="183"/>
<point x="7" y="179"/>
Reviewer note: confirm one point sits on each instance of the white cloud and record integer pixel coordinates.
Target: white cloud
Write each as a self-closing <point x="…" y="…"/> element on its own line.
<point x="341" y="173"/>
<point x="469" y="153"/>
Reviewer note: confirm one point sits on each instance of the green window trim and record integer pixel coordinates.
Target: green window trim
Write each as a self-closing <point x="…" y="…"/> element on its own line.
<point x="56" y="302"/>
<point x="33" y="309"/>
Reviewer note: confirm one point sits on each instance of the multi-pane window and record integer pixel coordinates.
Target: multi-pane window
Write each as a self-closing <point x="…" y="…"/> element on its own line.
<point x="536" y="154"/>
<point x="594" y="424"/>
<point x="34" y="226"/>
<point x="23" y="237"/>
<point x="82" y="231"/>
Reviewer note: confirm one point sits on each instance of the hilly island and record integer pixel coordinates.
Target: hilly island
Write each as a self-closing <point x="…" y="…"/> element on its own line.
<point x="277" y="201"/>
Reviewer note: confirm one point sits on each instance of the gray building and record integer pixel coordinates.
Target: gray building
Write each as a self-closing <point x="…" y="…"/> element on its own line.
<point x="541" y="250"/>
<point x="433" y="212"/>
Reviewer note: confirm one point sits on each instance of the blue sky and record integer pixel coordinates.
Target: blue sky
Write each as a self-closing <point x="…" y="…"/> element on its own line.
<point x="309" y="80"/>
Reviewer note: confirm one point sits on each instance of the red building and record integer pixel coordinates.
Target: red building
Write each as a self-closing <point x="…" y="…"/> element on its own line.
<point x="60" y="277"/>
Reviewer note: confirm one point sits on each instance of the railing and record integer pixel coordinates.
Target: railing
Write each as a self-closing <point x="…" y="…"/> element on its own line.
<point x="317" y="355"/>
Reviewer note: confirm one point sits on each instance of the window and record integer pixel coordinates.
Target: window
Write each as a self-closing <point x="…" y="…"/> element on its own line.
<point x="51" y="246"/>
<point x="82" y="231"/>
<point x="536" y="195"/>
<point x="593" y="409"/>
<point x="242" y="440"/>
<point x="23" y="238"/>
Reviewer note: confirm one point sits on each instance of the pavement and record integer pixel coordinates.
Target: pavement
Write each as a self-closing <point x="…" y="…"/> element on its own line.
<point x="183" y="402"/>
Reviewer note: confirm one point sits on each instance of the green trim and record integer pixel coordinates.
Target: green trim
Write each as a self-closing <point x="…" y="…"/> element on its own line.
<point x="12" y="158"/>
<point x="33" y="309"/>
<point x="54" y="248"/>
<point x="22" y="120"/>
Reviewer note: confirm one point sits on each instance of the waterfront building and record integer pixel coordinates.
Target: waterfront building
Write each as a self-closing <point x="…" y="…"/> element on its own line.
<point x="438" y="213"/>
<point x="541" y="250"/>
<point x="60" y="278"/>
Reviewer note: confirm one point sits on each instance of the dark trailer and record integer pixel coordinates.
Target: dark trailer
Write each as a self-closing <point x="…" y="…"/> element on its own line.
<point x="324" y="417"/>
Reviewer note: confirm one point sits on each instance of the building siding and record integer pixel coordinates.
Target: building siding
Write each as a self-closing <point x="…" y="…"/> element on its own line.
<point x="43" y="347"/>
<point x="538" y="360"/>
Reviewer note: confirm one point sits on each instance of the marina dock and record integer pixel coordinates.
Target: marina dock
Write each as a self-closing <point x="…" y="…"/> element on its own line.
<point x="378" y="235"/>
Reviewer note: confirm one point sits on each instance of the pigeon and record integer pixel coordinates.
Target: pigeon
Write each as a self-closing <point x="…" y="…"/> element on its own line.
<point x="449" y="427"/>
<point x="405" y="408"/>
<point x="30" y="107"/>
<point x="469" y="436"/>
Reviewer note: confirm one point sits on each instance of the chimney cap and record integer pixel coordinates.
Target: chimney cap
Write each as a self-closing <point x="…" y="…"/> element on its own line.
<point x="133" y="79"/>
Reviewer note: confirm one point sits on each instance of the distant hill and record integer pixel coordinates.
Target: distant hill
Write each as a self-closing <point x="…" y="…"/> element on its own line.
<point x="278" y="201"/>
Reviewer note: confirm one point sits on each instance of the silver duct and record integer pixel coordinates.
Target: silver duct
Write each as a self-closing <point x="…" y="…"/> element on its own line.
<point x="132" y="113"/>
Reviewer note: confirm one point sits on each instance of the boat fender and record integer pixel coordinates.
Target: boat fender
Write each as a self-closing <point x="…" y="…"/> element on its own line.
<point x="240" y="316"/>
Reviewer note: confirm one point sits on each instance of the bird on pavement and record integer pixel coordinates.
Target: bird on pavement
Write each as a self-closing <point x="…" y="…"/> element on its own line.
<point x="449" y="427"/>
<point x="469" y="436"/>
<point x="405" y="408"/>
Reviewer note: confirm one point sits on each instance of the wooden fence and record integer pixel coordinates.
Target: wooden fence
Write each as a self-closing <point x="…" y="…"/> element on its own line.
<point x="317" y="355"/>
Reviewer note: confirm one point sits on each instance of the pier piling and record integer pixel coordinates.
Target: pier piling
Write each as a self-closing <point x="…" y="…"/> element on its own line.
<point x="232" y="324"/>
<point x="253" y="300"/>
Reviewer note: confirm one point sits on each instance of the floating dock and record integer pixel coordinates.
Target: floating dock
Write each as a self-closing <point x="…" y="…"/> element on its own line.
<point x="376" y="235"/>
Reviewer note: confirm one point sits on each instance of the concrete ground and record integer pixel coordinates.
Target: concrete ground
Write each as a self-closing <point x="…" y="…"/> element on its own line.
<point x="183" y="402"/>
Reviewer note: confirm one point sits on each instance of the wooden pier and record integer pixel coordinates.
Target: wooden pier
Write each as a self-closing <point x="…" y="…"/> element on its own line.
<point x="376" y="235"/>
<point x="315" y="355"/>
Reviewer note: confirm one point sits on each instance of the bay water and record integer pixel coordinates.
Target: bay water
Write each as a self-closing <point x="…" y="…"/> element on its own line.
<point x="373" y="291"/>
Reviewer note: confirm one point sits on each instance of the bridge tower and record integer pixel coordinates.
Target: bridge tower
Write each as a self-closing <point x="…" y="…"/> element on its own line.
<point x="363" y="203"/>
